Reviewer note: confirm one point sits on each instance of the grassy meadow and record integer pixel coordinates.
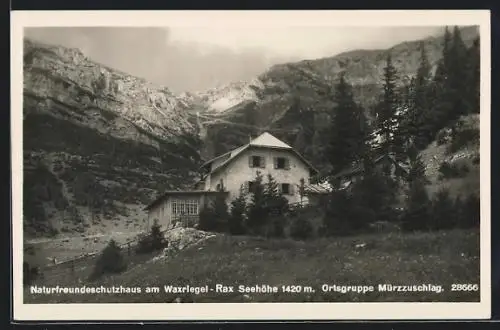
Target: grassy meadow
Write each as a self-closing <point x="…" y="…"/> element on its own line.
<point x="438" y="258"/>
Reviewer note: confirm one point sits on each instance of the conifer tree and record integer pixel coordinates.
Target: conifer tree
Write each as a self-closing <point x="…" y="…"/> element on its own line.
<point x="387" y="110"/>
<point x="346" y="135"/>
<point x="474" y="71"/>
<point x="458" y="74"/>
<point x="257" y="213"/>
<point x="275" y="205"/>
<point x="236" y="221"/>
<point x="420" y="119"/>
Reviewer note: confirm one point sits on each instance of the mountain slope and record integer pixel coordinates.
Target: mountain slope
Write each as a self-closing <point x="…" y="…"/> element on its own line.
<point x="297" y="97"/>
<point x="98" y="144"/>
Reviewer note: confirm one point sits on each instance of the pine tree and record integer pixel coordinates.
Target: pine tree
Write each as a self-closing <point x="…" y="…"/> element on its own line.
<point x="419" y="123"/>
<point x="275" y="205"/>
<point x="257" y="212"/>
<point x="417" y="168"/>
<point x="346" y="136"/>
<point x="215" y="216"/>
<point x="111" y="261"/>
<point x="387" y="108"/>
<point x="236" y="221"/>
<point x="440" y="91"/>
<point x="417" y="210"/>
<point x="221" y="210"/>
<point x="457" y="74"/>
<point x="474" y="72"/>
<point x="451" y="81"/>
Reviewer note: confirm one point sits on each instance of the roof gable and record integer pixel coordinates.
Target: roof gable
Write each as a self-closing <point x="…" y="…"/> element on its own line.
<point x="265" y="140"/>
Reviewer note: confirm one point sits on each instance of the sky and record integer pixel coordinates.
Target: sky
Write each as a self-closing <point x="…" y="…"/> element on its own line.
<point x="194" y="58"/>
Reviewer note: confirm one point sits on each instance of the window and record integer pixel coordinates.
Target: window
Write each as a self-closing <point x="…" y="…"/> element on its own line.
<point x="251" y="186"/>
<point x="281" y="163"/>
<point x="220" y="186"/>
<point x="285" y="189"/>
<point x="256" y="161"/>
<point x="185" y="207"/>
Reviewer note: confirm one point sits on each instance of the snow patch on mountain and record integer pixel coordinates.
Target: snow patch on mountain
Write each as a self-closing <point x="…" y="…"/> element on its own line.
<point x="222" y="98"/>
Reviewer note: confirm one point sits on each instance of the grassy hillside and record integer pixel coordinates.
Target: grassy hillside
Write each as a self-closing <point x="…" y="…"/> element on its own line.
<point x="439" y="258"/>
<point x="454" y="163"/>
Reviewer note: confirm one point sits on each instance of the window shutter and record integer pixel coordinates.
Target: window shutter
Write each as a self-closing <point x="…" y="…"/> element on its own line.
<point x="292" y="189"/>
<point x="287" y="163"/>
<point x="263" y="162"/>
<point x="275" y="160"/>
<point x="280" y="188"/>
<point x="250" y="163"/>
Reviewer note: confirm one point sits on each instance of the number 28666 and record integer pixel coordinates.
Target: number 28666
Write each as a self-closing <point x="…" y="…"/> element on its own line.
<point x="464" y="287"/>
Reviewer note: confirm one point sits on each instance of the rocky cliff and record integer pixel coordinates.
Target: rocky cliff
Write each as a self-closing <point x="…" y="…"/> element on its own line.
<point x="98" y="143"/>
<point x="293" y="100"/>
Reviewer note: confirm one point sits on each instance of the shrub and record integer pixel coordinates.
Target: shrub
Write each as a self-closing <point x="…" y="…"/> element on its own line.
<point x="443" y="212"/>
<point x="276" y="226"/>
<point x="30" y="273"/>
<point x="462" y="138"/>
<point x="208" y="219"/>
<point x="111" y="261"/>
<point x="441" y="137"/>
<point x="153" y="241"/>
<point x="451" y="170"/>
<point x="336" y="219"/>
<point x="468" y="211"/>
<point x="236" y="223"/>
<point x="301" y="229"/>
<point x="215" y="217"/>
<point x="416" y="215"/>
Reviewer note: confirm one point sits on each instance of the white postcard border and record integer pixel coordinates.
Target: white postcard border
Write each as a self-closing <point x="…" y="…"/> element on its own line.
<point x="248" y="311"/>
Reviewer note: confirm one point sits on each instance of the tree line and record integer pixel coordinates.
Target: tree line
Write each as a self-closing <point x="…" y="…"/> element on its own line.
<point x="407" y="119"/>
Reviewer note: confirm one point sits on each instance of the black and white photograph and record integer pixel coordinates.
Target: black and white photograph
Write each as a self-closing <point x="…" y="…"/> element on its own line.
<point x="193" y="159"/>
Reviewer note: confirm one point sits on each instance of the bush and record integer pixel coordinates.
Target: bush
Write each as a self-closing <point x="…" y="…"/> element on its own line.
<point x="153" y="241"/>
<point x="215" y="217"/>
<point x="336" y="220"/>
<point x="443" y="211"/>
<point x="450" y="171"/>
<point x="468" y="211"/>
<point x="276" y="227"/>
<point x="442" y="137"/>
<point x="416" y="215"/>
<point x="30" y="273"/>
<point x="301" y="229"/>
<point x="236" y="223"/>
<point x="111" y="261"/>
<point x="463" y="137"/>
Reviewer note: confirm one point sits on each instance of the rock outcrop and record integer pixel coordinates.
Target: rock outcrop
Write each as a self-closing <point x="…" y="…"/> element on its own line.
<point x="98" y="143"/>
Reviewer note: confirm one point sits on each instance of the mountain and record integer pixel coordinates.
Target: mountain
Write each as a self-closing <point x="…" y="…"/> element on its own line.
<point x="293" y="100"/>
<point x="98" y="143"/>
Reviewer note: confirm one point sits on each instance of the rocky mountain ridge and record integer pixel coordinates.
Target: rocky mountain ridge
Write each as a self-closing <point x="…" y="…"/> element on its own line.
<point x="293" y="100"/>
<point x="100" y="144"/>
